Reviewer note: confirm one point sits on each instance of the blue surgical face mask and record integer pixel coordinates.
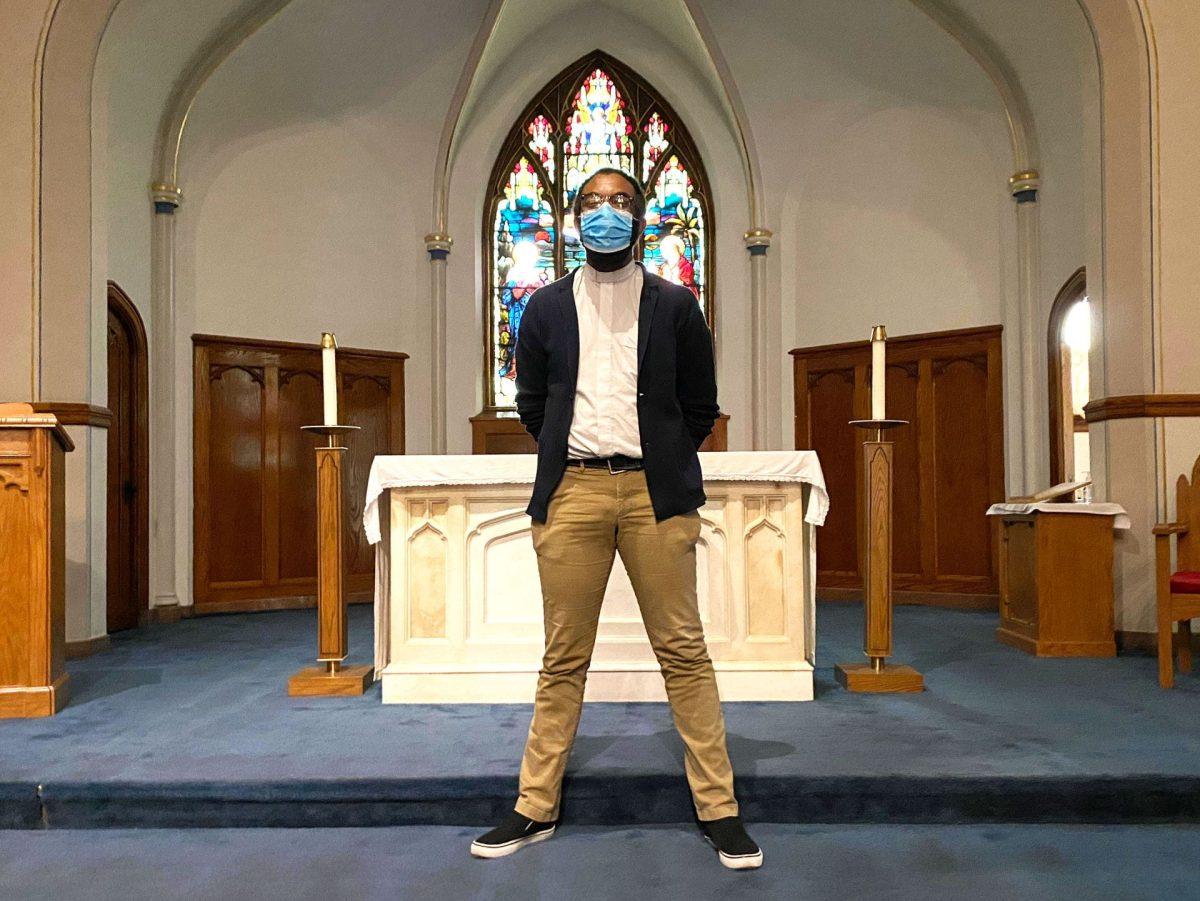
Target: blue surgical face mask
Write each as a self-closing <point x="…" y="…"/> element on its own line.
<point x="606" y="229"/>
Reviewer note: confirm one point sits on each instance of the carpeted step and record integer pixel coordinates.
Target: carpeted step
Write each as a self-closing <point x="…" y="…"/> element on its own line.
<point x="19" y="806"/>
<point x="624" y="800"/>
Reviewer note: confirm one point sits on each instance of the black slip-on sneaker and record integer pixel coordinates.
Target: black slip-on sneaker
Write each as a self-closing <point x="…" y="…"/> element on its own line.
<point x="513" y="834"/>
<point x="736" y="849"/>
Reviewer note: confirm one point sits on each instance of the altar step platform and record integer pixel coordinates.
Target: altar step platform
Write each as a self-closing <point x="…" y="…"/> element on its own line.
<point x="190" y="725"/>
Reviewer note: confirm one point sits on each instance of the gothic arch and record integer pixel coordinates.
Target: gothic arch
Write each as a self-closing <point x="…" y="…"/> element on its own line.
<point x="539" y="167"/>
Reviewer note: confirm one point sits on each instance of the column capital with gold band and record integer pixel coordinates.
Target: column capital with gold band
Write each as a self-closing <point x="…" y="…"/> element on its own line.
<point x="757" y="241"/>
<point x="165" y="197"/>
<point x="438" y="245"/>
<point x="1024" y="186"/>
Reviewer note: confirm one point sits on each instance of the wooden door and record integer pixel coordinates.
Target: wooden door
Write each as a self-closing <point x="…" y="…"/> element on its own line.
<point x="128" y="502"/>
<point x="254" y="481"/>
<point x="948" y="462"/>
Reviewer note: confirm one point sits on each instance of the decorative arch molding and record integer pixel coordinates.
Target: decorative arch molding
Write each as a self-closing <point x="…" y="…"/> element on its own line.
<point x="1024" y="184"/>
<point x="451" y="132"/>
<point x="1021" y="129"/>
<point x="234" y="31"/>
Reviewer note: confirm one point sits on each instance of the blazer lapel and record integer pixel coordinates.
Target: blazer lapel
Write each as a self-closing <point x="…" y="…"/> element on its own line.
<point x="566" y="307"/>
<point x="645" y="315"/>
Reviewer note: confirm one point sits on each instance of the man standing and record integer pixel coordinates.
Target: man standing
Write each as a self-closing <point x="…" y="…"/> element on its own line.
<point x="615" y="381"/>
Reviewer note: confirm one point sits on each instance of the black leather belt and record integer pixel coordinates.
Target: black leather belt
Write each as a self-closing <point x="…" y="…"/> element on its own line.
<point x="615" y="463"/>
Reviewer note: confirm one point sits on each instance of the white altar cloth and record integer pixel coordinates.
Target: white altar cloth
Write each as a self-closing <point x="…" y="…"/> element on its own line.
<point x="1121" y="520"/>
<point x="413" y="470"/>
<point x="458" y="614"/>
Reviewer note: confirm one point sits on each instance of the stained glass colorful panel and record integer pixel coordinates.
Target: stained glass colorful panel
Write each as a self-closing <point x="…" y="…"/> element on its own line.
<point x="654" y="145"/>
<point x="541" y="132"/>
<point x="598" y="133"/>
<point x="675" y="235"/>
<point x="522" y="261"/>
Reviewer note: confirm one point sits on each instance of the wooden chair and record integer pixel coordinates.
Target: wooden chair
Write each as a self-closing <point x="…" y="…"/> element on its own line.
<point x="1179" y="591"/>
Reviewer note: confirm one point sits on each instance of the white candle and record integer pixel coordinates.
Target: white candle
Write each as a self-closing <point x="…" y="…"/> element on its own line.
<point x="878" y="372"/>
<point x="329" y="377"/>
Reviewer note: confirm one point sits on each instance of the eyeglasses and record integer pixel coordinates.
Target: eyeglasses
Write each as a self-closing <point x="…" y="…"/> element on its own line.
<point x="593" y="200"/>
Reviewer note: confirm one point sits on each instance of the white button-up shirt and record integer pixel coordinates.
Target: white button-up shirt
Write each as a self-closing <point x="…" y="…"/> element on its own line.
<point x="605" y="421"/>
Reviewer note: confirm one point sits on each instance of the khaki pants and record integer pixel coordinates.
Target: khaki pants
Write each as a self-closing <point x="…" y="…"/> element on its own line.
<point x="592" y="514"/>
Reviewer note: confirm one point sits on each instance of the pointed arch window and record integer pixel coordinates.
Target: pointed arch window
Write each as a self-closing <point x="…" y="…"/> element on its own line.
<point x="596" y="112"/>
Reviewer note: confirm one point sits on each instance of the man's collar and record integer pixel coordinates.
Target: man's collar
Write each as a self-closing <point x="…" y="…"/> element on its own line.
<point x="617" y="275"/>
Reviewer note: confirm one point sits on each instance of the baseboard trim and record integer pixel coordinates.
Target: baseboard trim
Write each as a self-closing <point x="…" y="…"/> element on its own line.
<point x="265" y="605"/>
<point x="86" y="648"/>
<point x="168" y="613"/>
<point x="1044" y="648"/>
<point x="1144" y="644"/>
<point x="951" y="600"/>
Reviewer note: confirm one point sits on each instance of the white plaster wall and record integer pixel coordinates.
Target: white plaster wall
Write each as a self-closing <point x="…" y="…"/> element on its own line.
<point x="884" y="157"/>
<point x="1059" y="73"/>
<point x="308" y="161"/>
<point x="309" y="155"/>
<point x="145" y="45"/>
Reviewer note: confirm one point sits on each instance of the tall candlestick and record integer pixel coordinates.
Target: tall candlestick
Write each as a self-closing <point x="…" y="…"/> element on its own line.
<point x="878" y="372"/>
<point x="329" y="377"/>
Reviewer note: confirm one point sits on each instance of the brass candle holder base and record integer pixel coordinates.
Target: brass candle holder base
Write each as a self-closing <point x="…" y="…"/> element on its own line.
<point x="324" y="680"/>
<point x="888" y="677"/>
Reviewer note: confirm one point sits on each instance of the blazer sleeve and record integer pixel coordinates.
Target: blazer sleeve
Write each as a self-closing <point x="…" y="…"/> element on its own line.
<point x="695" y="374"/>
<point x="531" y="369"/>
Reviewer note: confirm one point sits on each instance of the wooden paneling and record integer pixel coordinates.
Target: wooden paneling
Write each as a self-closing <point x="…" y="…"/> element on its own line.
<point x="948" y="462"/>
<point x="960" y="452"/>
<point x="501" y="432"/>
<point x="254" y="481"/>
<point x="830" y="397"/>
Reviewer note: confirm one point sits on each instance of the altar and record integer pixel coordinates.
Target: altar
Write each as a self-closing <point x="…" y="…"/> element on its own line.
<point x="458" y="615"/>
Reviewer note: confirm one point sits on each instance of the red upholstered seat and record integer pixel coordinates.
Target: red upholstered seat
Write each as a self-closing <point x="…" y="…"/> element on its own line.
<point x="1186" y="582"/>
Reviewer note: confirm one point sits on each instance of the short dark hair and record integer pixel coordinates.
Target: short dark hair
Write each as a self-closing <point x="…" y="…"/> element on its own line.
<point x="639" y="196"/>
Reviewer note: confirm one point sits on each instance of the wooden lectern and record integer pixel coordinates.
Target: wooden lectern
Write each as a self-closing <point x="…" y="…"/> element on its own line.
<point x="1056" y="578"/>
<point x="33" y="677"/>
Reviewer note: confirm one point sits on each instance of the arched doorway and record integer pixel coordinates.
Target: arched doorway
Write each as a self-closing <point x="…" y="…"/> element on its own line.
<point x="128" y="446"/>
<point x="1070" y="338"/>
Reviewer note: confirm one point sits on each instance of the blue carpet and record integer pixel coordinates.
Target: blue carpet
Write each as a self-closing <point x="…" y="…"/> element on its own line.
<point x="886" y="863"/>
<point x="190" y="724"/>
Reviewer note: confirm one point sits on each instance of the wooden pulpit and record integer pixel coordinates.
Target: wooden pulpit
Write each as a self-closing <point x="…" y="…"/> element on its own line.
<point x="1056" y="574"/>
<point x="33" y="677"/>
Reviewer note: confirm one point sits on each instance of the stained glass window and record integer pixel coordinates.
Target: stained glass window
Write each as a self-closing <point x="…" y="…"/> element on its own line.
<point x="596" y="113"/>
<point x="522" y="261"/>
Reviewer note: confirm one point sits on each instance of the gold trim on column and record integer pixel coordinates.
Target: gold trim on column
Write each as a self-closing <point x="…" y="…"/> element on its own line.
<point x="162" y="192"/>
<point x="438" y="241"/>
<point x="1028" y="180"/>
<point x="758" y="237"/>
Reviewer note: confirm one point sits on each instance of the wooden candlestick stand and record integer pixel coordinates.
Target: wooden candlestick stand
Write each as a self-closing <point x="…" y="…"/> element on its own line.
<point x="330" y="676"/>
<point x="877" y="675"/>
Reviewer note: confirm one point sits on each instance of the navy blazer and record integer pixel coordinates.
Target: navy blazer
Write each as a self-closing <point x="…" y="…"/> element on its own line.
<point x="676" y="384"/>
